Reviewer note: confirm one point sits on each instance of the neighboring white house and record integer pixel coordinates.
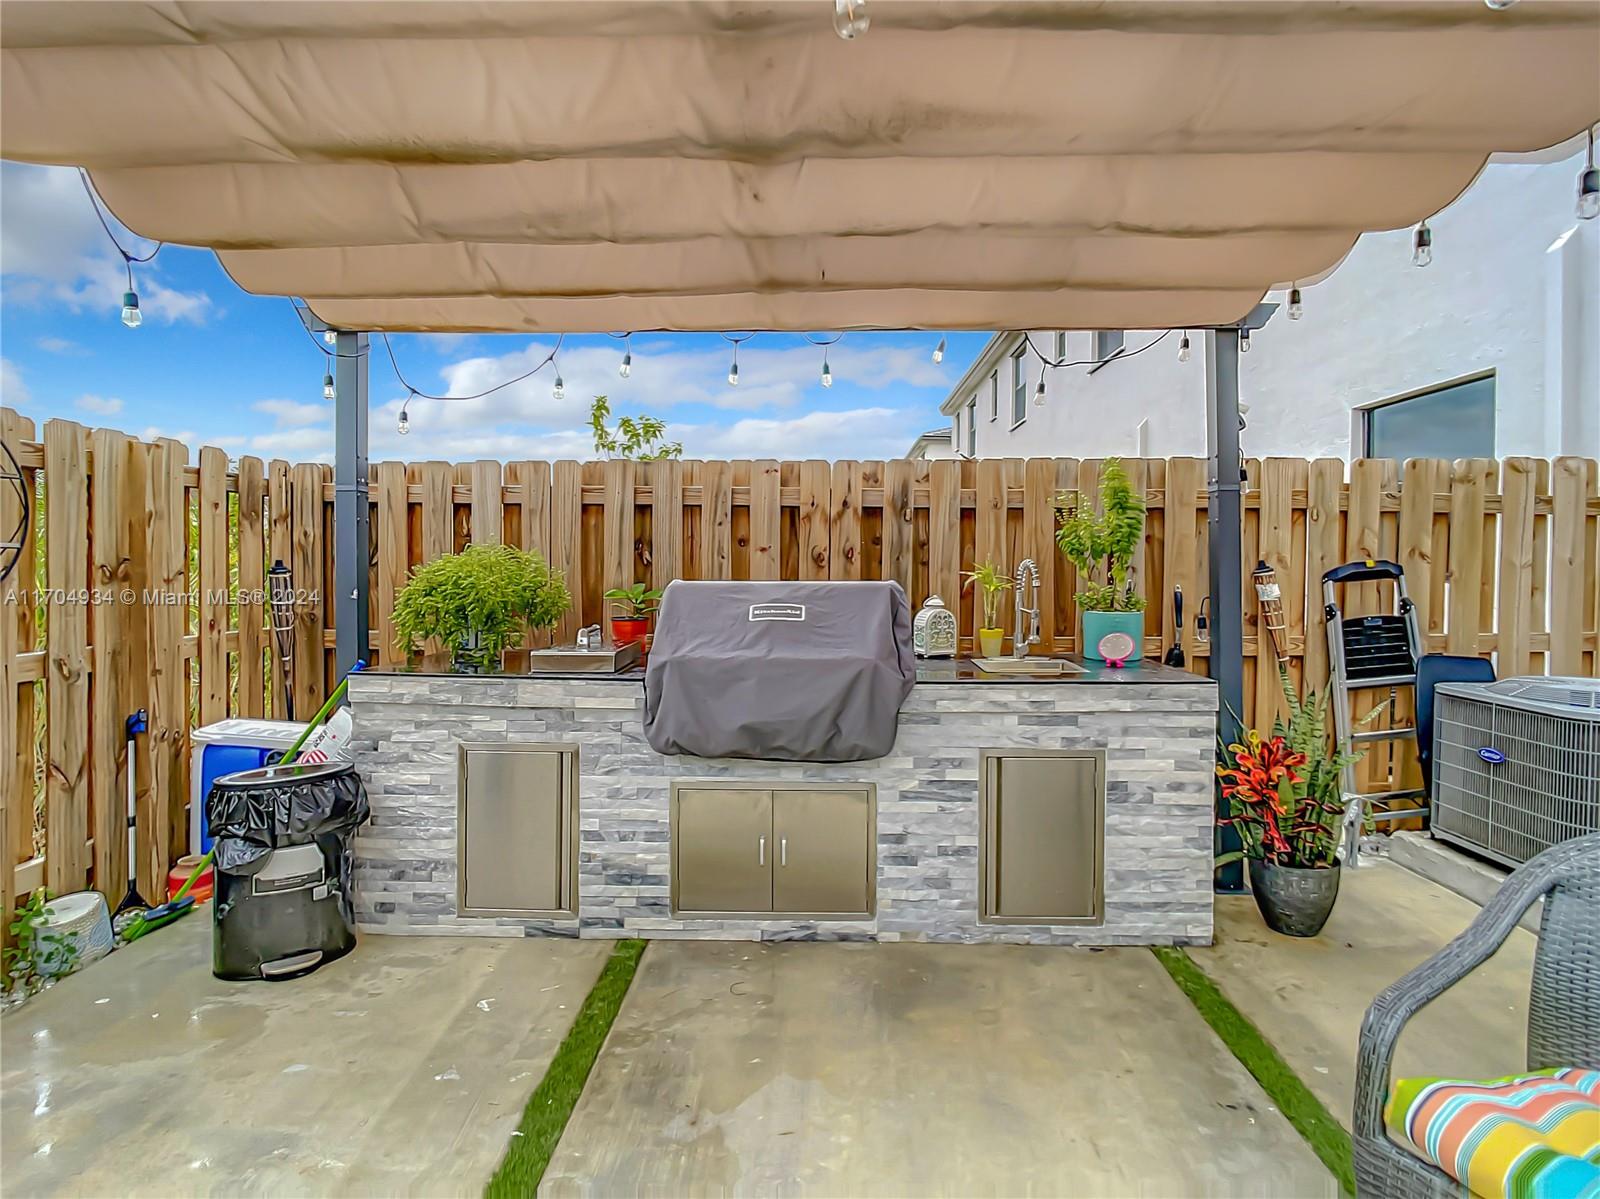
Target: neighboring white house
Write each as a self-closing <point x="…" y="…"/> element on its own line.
<point x="1492" y="350"/>
<point x="935" y="443"/>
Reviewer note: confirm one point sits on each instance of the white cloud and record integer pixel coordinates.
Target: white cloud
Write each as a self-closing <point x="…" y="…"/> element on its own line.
<point x="60" y="345"/>
<point x="293" y="412"/>
<point x="100" y="405"/>
<point x="12" y="389"/>
<point x="155" y="433"/>
<point x="52" y="250"/>
<point x="307" y="443"/>
<point x="854" y="433"/>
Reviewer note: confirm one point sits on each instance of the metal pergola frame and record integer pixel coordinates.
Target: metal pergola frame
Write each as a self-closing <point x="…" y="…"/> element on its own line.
<point x="1224" y="518"/>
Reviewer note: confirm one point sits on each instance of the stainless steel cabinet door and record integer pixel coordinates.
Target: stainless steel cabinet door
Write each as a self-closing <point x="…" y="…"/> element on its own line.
<point x="722" y="850"/>
<point x="824" y="852"/>
<point x="514" y="839"/>
<point x="1043" y="828"/>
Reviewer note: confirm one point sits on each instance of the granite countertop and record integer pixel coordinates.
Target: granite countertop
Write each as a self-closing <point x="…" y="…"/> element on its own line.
<point x="931" y="671"/>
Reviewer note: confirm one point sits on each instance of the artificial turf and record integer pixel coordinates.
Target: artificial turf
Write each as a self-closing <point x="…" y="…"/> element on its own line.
<point x="1283" y="1086"/>
<point x="545" y="1117"/>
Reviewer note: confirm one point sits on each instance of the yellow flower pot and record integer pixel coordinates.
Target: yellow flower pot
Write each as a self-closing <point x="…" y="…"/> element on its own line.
<point x="991" y="642"/>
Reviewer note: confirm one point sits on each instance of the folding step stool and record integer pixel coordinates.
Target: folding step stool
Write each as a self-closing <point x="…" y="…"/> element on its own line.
<point x="1379" y="650"/>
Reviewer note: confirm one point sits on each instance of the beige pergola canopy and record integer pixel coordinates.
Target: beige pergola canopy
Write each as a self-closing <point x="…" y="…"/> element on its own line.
<point x="623" y="165"/>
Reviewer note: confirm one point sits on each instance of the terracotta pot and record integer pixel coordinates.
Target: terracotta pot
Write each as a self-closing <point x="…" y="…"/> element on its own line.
<point x="991" y="642"/>
<point x="1294" y="900"/>
<point x="625" y="631"/>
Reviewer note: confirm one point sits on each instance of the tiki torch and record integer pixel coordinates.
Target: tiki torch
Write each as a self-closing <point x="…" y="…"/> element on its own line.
<point x="280" y="600"/>
<point x="1270" y="598"/>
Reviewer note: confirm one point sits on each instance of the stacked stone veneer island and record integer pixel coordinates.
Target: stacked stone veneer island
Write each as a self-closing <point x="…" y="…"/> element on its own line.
<point x="1157" y="728"/>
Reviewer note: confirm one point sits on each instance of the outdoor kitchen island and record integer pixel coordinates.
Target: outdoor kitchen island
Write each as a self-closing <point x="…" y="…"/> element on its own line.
<point x="1072" y="809"/>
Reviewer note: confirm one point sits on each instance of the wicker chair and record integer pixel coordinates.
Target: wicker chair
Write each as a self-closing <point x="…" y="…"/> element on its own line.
<point x="1563" y="1007"/>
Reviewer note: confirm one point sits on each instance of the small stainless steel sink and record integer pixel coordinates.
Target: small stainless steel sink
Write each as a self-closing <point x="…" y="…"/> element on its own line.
<point x="603" y="659"/>
<point x="1028" y="665"/>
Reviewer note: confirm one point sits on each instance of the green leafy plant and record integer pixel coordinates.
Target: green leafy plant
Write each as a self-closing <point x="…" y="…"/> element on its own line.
<point x="479" y="602"/>
<point x="37" y="955"/>
<point x="1102" y="544"/>
<point x="640" y="439"/>
<point x="1283" y="791"/>
<point x="990" y="583"/>
<point x="635" y="602"/>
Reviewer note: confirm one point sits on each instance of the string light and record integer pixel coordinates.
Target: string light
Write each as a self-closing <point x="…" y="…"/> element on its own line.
<point x="327" y="386"/>
<point x="938" y="352"/>
<point x="626" y="368"/>
<point x="559" y="391"/>
<point x="827" y="375"/>
<point x="733" y="371"/>
<point x="1038" y="392"/>
<point x="1296" y="308"/>
<point x="1589" y="185"/>
<point x="1244" y="341"/>
<point x="1499" y="5"/>
<point x="1422" y="245"/>
<point x="330" y="336"/>
<point x="850" y="18"/>
<point x="1183" y="347"/>
<point x="131" y="316"/>
<point x="403" y="426"/>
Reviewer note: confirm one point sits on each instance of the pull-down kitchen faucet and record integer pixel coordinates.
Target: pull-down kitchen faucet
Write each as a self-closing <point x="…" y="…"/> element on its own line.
<point x="1027" y="572"/>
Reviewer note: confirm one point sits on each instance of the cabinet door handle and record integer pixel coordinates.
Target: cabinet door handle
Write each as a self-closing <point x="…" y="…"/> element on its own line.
<point x="761" y="852"/>
<point x="783" y="851"/>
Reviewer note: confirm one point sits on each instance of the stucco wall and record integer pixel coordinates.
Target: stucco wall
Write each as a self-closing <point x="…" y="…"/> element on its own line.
<point x="1514" y="287"/>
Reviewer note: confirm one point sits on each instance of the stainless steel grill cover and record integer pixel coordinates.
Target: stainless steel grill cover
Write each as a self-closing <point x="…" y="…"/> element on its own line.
<point x="804" y="672"/>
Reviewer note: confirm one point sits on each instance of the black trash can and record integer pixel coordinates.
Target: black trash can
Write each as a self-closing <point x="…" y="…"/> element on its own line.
<point x="283" y="903"/>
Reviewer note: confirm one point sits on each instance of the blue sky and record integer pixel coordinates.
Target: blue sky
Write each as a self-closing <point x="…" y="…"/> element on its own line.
<point x="213" y="365"/>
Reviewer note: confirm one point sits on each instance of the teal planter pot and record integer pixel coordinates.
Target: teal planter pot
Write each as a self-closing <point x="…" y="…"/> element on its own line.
<point x="1097" y="624"/>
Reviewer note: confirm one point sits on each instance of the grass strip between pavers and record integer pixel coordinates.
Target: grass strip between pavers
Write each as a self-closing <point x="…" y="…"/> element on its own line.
<point x="545" y="1117"/>
<point x="1313" y="1121"/>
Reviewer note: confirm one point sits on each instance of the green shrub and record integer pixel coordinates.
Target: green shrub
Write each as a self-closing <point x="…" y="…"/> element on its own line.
<point x="1102" y="544"/>
<point x="479" y="602"/>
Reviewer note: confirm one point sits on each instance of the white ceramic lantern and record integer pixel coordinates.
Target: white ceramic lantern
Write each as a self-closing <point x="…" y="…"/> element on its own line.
<point x="933" y="632"/>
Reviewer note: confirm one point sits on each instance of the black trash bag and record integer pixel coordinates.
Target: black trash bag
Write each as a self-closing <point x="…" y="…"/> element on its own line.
<point x="252" y="812"/>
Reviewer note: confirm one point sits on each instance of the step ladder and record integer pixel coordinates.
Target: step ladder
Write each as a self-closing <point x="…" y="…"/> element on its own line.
<point x="1369" y="651"/>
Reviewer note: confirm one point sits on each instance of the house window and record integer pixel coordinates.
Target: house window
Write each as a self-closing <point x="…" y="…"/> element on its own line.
<point x="972" y="427"/>
<point x="1019" y="386"/>
<point x="1061" y="345"/>
<point x="1106" y="343"/>
<point x="1453" y="420"/>
<point x="994" y="396"/>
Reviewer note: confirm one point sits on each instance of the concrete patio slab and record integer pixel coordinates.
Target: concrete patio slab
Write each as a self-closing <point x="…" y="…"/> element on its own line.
<point x="399" y="1070"/>
<point x="1308" y="995"/>
<point x="918" y="1069"/>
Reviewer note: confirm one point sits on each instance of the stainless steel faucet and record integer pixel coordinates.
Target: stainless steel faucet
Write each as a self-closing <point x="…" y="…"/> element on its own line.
<point x="1027" y="572"/>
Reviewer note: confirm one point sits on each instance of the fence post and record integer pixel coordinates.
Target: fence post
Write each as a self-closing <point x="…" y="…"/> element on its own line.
<point x="351" y="516"/>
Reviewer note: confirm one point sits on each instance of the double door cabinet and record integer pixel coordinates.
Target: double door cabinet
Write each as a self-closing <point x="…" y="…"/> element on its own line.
<point x="777" y="850"/>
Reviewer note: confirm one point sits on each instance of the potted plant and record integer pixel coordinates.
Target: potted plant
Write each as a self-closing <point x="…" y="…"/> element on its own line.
<point x="1284" y="801"/>
<point x="1102" y="545"/>
<point x="990" y="584"/>
<point x="635" y="605"/>
<point x="479" y="603"/>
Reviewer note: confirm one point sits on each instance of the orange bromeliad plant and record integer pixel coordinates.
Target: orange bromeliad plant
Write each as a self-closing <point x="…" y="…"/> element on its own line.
<point x="1283" y="790"/>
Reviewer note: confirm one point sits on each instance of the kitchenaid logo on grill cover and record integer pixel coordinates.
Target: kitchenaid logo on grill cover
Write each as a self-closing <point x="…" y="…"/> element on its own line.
<point x="777" y="611"/>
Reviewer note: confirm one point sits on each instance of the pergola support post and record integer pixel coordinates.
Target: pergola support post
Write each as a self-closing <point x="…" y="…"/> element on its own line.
<point x="351" y="540"/>
<point x="1224" y="520"/>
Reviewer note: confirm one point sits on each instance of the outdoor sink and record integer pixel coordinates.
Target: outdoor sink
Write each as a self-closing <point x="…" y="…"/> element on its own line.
<point x="1028" y="665"/>
<point x="601" y="659"/>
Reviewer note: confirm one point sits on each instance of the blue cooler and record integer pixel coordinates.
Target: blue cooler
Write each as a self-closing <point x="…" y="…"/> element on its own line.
<point x="227" y="747"/>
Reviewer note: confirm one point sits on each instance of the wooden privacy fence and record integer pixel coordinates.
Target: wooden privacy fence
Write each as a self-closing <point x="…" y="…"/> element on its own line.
<point x="148" y="590"/>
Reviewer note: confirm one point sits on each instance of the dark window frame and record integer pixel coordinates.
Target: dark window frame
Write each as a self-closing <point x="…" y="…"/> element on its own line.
<point x="1366" y="411"/>
<point x="1019" y="385"/>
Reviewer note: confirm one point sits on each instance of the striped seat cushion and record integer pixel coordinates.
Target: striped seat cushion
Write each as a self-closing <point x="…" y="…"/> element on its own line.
<point x="1533" y="1136"/>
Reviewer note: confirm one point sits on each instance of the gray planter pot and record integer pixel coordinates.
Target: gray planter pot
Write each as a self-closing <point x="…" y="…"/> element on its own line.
<point x="1294" y="900"/>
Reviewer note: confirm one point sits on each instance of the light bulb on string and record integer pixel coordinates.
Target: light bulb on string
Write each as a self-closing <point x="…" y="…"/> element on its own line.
<point x="1296" y="308"/>
<point x="1038" y="392"/>
<point x="327" y="387"/>
<point x="1244" y="341"/>
<point x="1589" y="185"/>
<point x="938" y="351"/>
<point x="733" y="370"/>
<point x="626" y="368"/>
<point x="559" y="391"/>
<point x="330" y="336"/>
<point x="131" y="316"/>
<point x="1498" y="5"/>
<point x="403" y="425"/>
<point x="850" y="18"/>
<point x="827" y="375"/>
<point x="1422" y="245"/>
<point x="1183" y="347"/>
